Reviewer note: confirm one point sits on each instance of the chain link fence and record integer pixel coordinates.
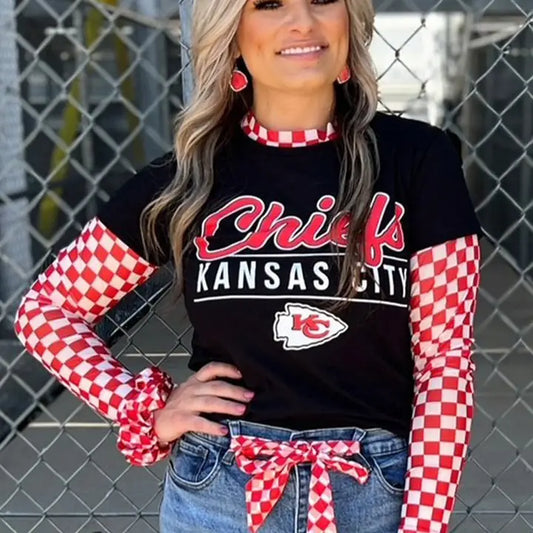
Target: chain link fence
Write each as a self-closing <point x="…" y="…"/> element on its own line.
<point x="88" y="89"/>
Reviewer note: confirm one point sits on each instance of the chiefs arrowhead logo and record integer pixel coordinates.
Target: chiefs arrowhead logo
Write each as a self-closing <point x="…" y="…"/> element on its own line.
<point x="301" y="326"/>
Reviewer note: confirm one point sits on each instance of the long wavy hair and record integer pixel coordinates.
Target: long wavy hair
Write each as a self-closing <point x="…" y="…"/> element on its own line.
<point x="201" y="128"/>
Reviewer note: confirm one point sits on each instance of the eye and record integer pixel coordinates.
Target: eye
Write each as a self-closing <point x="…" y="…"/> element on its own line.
<point x="267" y="4"/>
<point x="273" y="4"/>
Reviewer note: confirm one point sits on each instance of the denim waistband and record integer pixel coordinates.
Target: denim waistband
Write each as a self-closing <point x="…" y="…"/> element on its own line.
<point x="374" y="441"/>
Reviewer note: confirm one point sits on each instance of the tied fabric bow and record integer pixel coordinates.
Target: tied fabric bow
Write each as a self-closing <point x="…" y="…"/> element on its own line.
<point x="270" y="476"/>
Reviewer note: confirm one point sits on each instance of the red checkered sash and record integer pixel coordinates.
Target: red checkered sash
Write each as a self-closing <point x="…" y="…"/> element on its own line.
<point x="270" y="476"/>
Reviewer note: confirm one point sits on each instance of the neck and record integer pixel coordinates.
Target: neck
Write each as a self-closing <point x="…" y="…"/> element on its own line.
<point x="277" y="110"/>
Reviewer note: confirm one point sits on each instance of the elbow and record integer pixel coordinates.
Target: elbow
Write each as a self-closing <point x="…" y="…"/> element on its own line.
<point x="29" y="316"/>
<point x="22" y="323"/>
<point x="454" y="364"/>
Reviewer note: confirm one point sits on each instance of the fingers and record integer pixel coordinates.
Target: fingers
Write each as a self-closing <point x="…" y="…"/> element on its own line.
<point x="213" y="404"/>
<point x="197" y="423"/>
<point x="206" y="384"/>
<point x="224" y="390"/>
<point x="217" y="370"/>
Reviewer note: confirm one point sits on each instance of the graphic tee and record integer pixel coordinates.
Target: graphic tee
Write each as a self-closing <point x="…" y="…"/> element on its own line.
<point x="263" y="270"/>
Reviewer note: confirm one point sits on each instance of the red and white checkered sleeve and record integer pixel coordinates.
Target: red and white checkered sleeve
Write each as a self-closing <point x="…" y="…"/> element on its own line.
<point x="445" y="281"/>
<point x="55" y="322"/>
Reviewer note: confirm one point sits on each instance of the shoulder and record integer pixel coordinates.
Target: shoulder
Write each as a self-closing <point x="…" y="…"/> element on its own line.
<point x="121" y="214"/>
<point x="393" y="129"/>
<point x="144" y="184"/>
<point x="411" y="141"/>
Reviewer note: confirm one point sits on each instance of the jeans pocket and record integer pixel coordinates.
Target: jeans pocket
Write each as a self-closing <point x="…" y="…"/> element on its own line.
<point x="390" y="469"/>
<point x="193" y="463"/>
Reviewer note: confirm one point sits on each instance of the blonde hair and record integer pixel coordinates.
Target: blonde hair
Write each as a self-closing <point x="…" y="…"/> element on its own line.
<point x="202" y="128"/>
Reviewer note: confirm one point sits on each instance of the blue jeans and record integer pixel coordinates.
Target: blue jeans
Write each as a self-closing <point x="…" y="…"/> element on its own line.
<point x="204" y="489"/>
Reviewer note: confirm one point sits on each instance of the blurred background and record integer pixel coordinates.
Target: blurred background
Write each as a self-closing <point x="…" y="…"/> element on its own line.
<point x="88" y="91"/>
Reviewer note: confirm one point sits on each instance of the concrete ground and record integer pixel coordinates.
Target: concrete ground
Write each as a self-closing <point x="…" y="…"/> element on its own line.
<point x="63" y="473"/>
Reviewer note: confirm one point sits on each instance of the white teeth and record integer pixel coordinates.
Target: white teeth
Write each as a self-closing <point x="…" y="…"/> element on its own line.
<point x="306" y="50"/>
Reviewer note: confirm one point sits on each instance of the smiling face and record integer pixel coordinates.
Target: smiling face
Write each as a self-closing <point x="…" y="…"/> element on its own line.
<point x="294" y="45"/>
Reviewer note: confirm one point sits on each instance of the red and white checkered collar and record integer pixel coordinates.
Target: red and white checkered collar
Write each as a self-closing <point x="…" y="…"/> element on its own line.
<point x="286" y="139"/>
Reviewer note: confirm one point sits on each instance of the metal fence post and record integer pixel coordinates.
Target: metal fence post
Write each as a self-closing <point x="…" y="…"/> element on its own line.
<point x="186" y="32"/>
<point x="15" y="243"/>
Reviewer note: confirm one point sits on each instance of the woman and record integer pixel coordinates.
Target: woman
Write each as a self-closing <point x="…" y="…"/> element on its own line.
<point x="329" y="259"/>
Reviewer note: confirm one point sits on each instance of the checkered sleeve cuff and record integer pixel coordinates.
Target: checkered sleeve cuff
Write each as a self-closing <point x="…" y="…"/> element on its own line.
<point x="137" y="440"/>
<point x="445" y="281"/>
<point x="55" y="322"/>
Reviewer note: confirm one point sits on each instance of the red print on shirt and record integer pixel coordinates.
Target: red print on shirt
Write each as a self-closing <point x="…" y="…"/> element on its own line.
<point x="312" y="326"/>
<point x="258" y="223"/>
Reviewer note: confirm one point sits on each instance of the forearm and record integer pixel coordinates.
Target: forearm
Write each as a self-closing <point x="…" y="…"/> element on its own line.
<point x="445" y="281"/>
<point x="442" y="420"/>
<point x="70" y="350"/>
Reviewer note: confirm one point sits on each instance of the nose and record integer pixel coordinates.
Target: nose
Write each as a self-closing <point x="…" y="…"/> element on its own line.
<point x="300" y="16"/>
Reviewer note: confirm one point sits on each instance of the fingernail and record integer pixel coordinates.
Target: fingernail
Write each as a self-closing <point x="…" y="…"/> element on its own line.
<point x="224" y="430"/>
<point x="249" y="394"/>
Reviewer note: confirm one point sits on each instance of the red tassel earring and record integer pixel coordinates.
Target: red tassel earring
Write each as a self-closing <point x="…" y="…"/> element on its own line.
<point x="345" y="75"/>
<point x="239" y="81"/>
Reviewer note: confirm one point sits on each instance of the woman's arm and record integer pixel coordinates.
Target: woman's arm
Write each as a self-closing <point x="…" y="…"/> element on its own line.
<point x="55" y="323"/>
<point x="445" y="281"/>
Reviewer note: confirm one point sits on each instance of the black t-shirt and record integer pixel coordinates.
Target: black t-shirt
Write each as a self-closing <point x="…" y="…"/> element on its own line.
<point x="262" y="271"/>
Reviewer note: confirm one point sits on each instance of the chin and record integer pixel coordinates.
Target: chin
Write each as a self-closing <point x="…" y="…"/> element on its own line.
<point x="308" y="83"/>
